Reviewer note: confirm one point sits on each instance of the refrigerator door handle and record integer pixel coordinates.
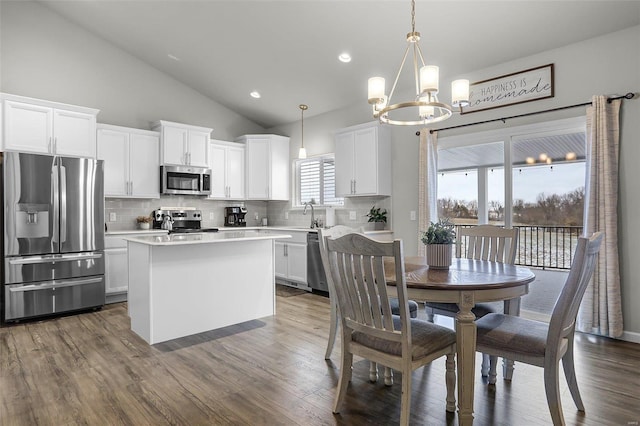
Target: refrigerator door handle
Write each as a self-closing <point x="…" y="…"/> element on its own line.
<point x="54" y="284"/>
<point x="63" y="203"/>
<point x="55" y="186"/>
<point x="56" y="258"/>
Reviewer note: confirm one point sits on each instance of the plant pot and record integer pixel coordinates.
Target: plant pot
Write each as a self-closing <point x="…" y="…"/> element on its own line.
<point x="144" y="225"/>
<point x="439" y="256"/>
<point x="378" y="226"/>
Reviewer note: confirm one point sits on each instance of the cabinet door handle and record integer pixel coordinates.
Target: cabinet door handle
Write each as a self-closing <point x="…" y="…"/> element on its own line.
<point x="55" y="145"/>
<point x="130" y="187"/>
<point x="354" y="186"/>
<point x="49" y="147"/>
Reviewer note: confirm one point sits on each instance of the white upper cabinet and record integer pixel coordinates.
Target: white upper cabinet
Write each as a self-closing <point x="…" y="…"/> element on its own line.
<point x="226" y="160"/>
<point x="183" y="144"/>
<point x="131" y="161"/>
<point x="267" y="167"/>
<point x="363" y="161"/>
<point x="44" y="127"/>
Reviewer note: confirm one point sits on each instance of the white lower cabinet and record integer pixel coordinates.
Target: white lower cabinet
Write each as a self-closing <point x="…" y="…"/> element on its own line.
<point x="116" y="273"/>
<point x="291" y="259"/>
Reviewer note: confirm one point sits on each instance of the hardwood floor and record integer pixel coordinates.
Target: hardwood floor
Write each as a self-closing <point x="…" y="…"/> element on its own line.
<point x="92" y="369"/>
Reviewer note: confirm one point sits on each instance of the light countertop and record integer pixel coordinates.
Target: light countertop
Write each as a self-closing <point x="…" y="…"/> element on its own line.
<point x="227" y="236"/>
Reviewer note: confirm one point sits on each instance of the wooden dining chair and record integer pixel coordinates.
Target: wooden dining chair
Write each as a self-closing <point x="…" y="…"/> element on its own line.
<point x="369" y="329"/>
<point x="335" y="232"/>
<point x="541" y="344"/>
<point x="482" y="242"/>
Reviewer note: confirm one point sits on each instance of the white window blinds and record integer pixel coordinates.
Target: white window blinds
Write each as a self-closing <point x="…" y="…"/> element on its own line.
<point x="316" y="178"/>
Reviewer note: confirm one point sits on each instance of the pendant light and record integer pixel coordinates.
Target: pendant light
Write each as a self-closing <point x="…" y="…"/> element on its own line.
<point x="425" y="104"/>
<point x="303" y="152"/>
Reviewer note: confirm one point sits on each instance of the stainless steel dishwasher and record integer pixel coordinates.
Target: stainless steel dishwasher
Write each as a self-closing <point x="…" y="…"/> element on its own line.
<point x="316" y="278"/>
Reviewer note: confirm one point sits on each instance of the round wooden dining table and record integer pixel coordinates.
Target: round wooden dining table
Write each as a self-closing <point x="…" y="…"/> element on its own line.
<point x="466" y="283"/>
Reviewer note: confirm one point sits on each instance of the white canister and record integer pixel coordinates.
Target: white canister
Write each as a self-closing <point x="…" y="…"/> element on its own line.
<point x="264" y="221"/>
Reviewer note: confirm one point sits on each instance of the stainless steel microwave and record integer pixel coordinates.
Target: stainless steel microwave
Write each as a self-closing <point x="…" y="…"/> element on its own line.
<point x="185" y="180"/>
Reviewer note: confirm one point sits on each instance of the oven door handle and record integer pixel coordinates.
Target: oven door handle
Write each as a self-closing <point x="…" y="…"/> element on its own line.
<point x="53" y="284"/>
<point x="51" y="259"/>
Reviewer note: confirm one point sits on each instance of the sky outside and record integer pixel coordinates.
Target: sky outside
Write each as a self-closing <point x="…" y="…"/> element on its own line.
<point x="528" y="182"/>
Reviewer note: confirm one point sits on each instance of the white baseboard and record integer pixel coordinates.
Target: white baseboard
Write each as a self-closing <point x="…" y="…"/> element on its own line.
<point x="630" y="336"/>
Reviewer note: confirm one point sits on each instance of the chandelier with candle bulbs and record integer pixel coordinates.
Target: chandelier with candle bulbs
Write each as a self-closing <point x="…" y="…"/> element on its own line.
<point x="425" y="108"/>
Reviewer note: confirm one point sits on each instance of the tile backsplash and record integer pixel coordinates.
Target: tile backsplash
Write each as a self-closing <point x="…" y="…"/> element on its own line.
<point x="126" y="210"/>
<point x="278" y="211"/>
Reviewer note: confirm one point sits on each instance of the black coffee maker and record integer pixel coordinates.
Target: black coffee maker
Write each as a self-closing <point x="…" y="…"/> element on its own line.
<point x="234" y="216"/>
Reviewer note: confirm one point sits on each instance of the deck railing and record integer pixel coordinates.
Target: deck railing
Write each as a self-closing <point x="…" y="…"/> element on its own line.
<point x="546" y="247"/>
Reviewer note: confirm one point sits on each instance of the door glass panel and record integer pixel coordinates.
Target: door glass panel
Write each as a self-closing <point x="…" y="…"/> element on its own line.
<point x="548" y="197"/>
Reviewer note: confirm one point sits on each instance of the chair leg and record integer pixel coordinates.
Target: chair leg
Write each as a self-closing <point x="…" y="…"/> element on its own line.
<point x="345" y="378"/>
<point x="493" y="362"/>
<point x="552" y="389"/>
<point x="333" y="328"/>
<point x="373" y="372"/>
<point x="570" y="374"/>
<point x="450" y="379"/>
<point x="484" y="369"/>
<point x="388" y="376"/>
<point x="429" y="312"/>
<point x="405" y="400"/>
<point x="507" y="369"/>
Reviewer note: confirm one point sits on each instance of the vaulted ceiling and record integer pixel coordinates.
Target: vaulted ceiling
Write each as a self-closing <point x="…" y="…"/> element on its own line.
<point x="288" y="50"/>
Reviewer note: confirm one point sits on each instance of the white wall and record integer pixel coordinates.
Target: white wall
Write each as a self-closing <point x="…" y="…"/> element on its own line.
<point x="46" y="56"/>
<point x="604" y="65"/>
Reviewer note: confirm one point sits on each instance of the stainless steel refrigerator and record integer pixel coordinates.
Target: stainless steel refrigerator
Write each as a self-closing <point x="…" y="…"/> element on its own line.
<point x="53" y="235"/>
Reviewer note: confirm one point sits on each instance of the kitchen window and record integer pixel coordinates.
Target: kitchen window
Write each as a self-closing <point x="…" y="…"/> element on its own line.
<point x="316" y="179"/>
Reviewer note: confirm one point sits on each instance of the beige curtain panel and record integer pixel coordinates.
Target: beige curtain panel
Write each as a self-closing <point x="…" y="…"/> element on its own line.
<point x="427" y="183"/>
<point x="601" y="310"/>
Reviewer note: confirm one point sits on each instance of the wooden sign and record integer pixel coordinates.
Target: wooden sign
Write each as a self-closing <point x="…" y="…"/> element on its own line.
<point x="523" y="86"/>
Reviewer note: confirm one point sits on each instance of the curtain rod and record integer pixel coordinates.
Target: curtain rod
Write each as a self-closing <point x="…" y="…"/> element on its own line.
<point x="629" y="95"/>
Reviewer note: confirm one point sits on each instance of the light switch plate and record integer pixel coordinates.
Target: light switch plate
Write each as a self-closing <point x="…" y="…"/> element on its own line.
<point x="112" y="217"/>
<point x="286" y="215"/>
<point x="412" y="215"/>
<point x="210" y="215"/>
<point x="352" y="215"/>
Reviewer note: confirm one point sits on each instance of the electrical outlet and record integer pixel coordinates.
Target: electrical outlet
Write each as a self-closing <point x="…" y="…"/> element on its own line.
<point x="412" y="215"/>
<point x="112" y="217"/>
<point x="352" y="215"/>
<point x="257" y="216"/>
<point x="286" y="215"/>
<point x="210" y="215"/>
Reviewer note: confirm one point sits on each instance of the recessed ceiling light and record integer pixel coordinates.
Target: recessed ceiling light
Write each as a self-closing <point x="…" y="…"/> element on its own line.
<point x="175" y="58"/>
<point x="255" y="94"/>
<point x="344" y="57"/>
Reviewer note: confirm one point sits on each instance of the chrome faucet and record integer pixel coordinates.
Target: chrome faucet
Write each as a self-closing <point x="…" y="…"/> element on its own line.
<point x="314" y="224"/>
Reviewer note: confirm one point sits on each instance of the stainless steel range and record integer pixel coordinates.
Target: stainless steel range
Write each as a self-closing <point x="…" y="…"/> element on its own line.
<point x="52" y="234"/>
<point x="179" y="221"/>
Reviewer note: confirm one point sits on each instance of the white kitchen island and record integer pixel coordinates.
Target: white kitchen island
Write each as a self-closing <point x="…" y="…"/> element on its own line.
<point x="183" y="284"/>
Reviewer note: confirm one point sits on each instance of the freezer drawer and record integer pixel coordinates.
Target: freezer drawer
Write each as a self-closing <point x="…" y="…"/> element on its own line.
<point x="52" y="297"/>
<point x="52" y="267"/>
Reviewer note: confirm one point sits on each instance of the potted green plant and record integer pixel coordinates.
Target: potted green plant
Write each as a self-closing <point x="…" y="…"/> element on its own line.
<point x="438" y="239"/>
<point x="378" y="217"/>
<point x="144" y="222"/>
